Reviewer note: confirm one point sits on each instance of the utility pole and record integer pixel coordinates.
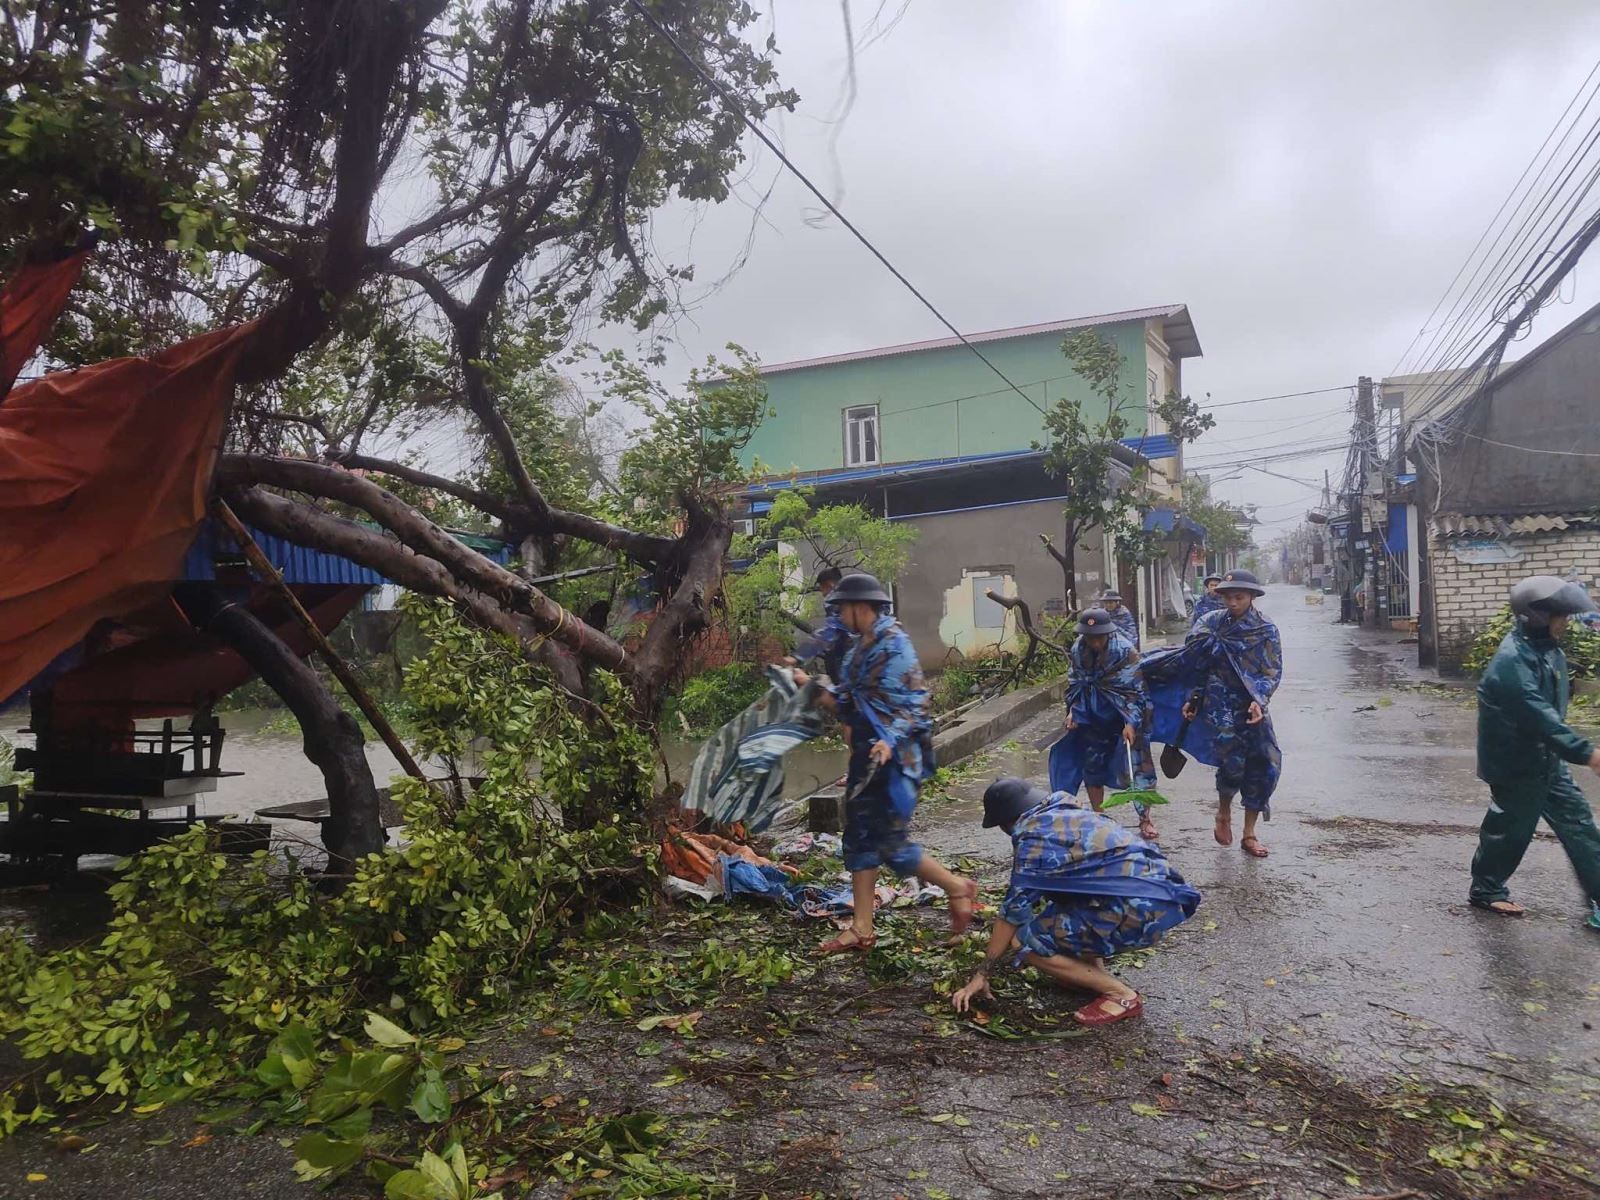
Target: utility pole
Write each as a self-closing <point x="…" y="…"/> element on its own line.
<point x="1365" y="427"/>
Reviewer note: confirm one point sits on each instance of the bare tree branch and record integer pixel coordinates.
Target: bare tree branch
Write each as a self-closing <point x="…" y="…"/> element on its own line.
<point x="549" y="619"/>
<point x="646" y="548"/>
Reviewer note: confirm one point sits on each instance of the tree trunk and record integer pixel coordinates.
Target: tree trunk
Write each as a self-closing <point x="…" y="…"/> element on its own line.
<point x="1069" y="566"/>
<point x="331" y="736"/>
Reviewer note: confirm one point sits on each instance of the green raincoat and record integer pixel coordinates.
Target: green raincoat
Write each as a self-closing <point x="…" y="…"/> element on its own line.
<point x="1524" y="746"/>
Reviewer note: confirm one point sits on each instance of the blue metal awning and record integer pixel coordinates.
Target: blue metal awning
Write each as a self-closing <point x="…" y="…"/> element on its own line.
<point x="1153" y="445"/>
<point x="1166" y="520"/>
<point x="300" y="565"/>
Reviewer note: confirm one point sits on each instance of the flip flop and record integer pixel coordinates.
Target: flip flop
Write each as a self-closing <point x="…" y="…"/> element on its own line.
<point x="1152" y="836"/>
<point x="1488" y="906"/>
<point x="837" y="945"/>
<point x="1094" y="1013"/>
<point x="1252" y="846"/>
<point x="1222" y="839"/>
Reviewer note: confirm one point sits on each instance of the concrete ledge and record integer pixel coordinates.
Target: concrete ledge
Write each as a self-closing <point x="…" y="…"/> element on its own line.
<point x="992" y="720"/>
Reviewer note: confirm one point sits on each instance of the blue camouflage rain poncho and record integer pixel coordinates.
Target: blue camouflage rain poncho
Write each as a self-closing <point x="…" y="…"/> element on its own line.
<point x="1081" y="884"/>
<point x="1127" y="623"/>
<point x="1104" y="693"/>
<point x="830" y="643"/>
<point x="1230" y="662"/>
<point x="1208" y="603"/>
<point x="883" y="697"/>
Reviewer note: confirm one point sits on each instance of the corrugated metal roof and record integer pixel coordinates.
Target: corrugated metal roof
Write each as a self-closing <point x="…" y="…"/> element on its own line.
<point x="881" y="472"/>
<point x="1501" y="525"/>
<point x="1178" y="332"/>
<point x="1153" y="445"/>
<point x="301" y="565"/>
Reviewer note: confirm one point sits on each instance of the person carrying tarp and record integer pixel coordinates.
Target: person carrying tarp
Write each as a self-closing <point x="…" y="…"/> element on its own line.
<point x="1209" y="602"/>
<point x="1108" y="719"/>
<point x="1212" y="694"/>
<point x="831" y="641"/>
<point x="1525" y="744"/>
<point x="1082" y="889"/>
<point x="1121" y="616"/>
<point x="883" y="699"/>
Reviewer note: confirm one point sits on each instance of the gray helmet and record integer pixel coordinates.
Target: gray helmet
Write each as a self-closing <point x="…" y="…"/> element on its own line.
<point x="1540" y="597"/>
<point x="1241" y="581"/>
<point x="862" y="587"/>
<point x="1008" y="798"/>
<point x="1093" y="621"/>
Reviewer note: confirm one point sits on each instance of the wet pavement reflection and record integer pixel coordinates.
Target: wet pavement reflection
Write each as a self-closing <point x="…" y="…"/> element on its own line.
<point x="1354" y="938"/>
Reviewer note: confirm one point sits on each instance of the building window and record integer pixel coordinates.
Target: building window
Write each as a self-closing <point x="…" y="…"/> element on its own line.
<point x="986" y="614"/>
<point x="861" y="436"/>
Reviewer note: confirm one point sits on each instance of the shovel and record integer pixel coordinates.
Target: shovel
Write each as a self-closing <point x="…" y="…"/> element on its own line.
<point x="1172" y="757"/>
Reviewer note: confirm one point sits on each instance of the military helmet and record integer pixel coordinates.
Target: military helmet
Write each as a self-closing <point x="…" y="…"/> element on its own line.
<point x="1241" y="581"/>
<point x="1541" y="597"/>
<point x="862" y="587"/>
<point x="1093" y="621"/>
<point x="1008" y="798"/>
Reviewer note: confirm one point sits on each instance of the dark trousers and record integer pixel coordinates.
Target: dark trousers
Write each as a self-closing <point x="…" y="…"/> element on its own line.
<point x="1508" y="827"/>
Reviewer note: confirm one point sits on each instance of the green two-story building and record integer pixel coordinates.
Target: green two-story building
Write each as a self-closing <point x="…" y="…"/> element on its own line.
<point x="931" y="433"/>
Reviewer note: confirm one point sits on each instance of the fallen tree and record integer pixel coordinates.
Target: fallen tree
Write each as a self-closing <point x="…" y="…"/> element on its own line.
<point x="417" y="205"/>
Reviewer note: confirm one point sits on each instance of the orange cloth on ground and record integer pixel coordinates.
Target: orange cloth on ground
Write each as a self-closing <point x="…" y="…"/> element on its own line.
<point x="693" y="856"/>
<point x="105" y="473"/>
<point x="29" y="305"/>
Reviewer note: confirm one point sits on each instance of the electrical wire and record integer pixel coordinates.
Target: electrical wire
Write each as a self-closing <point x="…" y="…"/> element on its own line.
<point x="755" y="127"/>
<point x="1482" y="237"/>
<point x="1494" y="221"/>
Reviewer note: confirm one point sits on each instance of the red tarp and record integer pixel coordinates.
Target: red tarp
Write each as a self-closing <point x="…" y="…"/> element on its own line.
<point x="105" y="474"/>
<point x="29" y="305"/>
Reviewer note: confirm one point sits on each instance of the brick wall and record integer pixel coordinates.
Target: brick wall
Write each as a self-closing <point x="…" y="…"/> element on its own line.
<point x="1467" y="595"/>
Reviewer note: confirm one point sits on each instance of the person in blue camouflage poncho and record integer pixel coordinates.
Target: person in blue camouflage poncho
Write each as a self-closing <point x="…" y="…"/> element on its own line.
<point x="1082" y="890"/>
<point x="1209" y="602"/>
<point x="1121" y="615"/>
<point x="1221" y="680"/>
<point x="1108" y="719"/>
<point x="883" y="699"/>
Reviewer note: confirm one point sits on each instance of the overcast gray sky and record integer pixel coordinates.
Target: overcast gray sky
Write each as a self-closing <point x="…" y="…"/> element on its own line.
<point x="1306" y="176"/>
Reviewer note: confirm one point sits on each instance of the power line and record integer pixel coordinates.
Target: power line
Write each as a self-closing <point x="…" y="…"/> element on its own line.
<point x="755" y="127"/>
<point x="1494" y="220"/>
<point x="1490" y="287"/>
<point x="1283" y="396"/>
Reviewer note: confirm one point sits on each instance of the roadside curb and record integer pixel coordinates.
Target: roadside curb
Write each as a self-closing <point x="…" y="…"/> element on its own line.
<point x="993" y="719"/>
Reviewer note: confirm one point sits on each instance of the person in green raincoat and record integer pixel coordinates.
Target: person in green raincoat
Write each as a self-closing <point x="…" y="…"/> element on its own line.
<point x="1525" y="745"/>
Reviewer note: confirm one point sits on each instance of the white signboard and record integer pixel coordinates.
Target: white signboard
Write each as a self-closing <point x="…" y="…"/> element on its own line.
<point x="1481" y="552"/>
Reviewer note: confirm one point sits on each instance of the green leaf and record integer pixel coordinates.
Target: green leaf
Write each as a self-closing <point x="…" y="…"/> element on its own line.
<point x="291" y="1060"/>
<point x="386" y="1033"/>
<point x="318" y="1155"/>
<point x="1140" y="1109"/>
<point x="431" y="1100"/>
<point x="412" y="1184"/>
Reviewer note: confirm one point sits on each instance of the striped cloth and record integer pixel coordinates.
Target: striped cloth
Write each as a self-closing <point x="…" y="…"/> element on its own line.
<point x="738" y="774"/>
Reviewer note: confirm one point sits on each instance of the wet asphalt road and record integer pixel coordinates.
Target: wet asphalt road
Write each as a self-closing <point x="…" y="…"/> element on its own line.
<point x="1350" y="948"/>
<point x="1353" y="940"/>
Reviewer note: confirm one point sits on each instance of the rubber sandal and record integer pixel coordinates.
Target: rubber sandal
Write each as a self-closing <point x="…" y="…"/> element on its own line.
<point x="837" y="945"/>
<point x="960" y="919"/>
<point x="1488" y="906"/>
<point x="1222" y="839"/>
<point x="1252" y="846"/>
<point x="1094" y="1013"/>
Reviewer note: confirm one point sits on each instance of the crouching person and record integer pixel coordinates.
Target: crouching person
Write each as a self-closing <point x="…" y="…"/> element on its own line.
<point x="1083" y="889"/>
